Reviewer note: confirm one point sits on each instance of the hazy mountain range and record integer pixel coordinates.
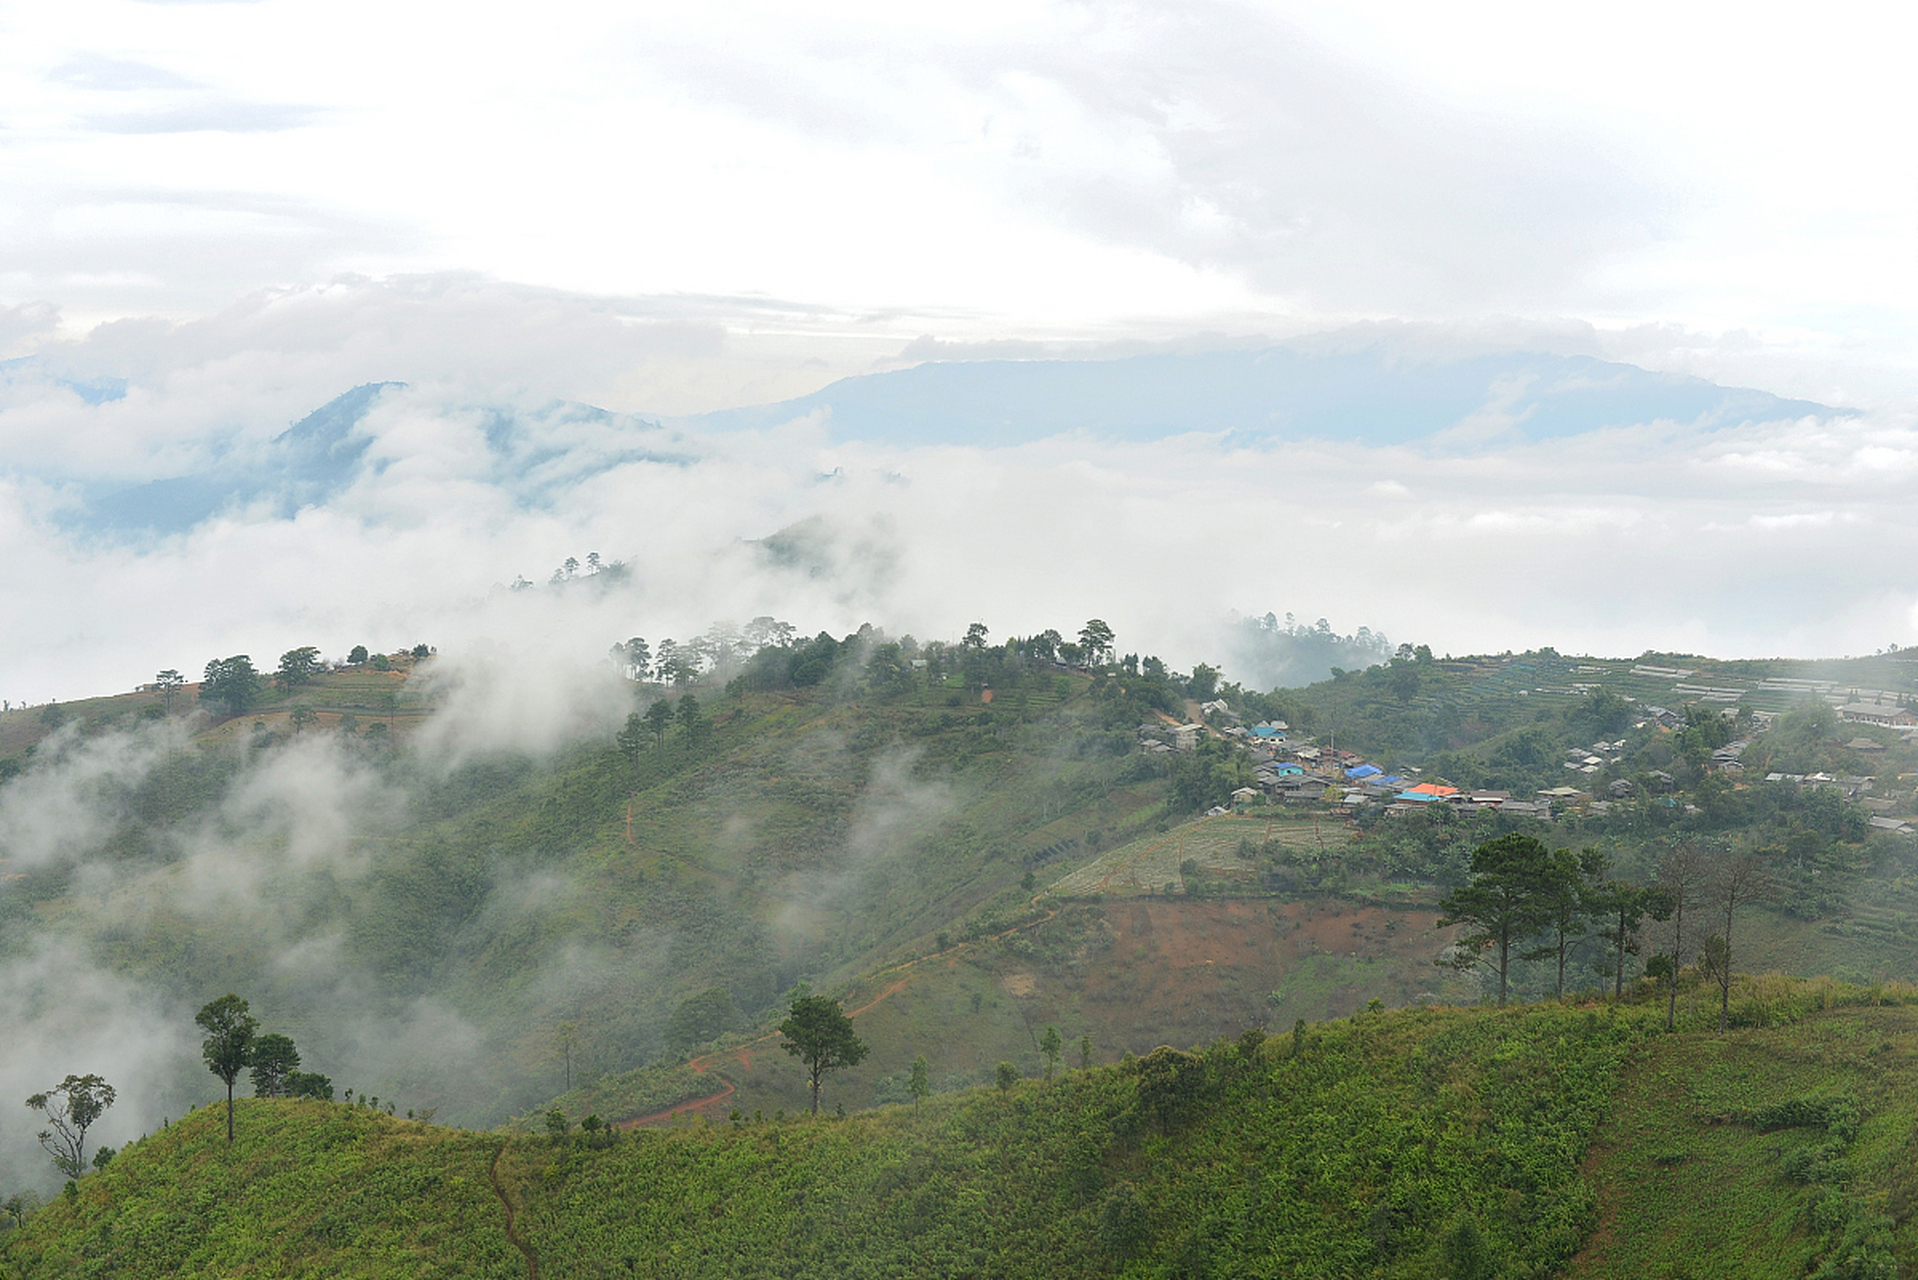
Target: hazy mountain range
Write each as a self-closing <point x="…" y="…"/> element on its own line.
<point x="1251" y="398"/>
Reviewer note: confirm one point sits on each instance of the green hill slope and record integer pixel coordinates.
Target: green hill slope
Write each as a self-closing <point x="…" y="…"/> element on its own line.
<point x="618" y="925"/>
<point x="1772" y="1152"/>
<point x="1529" y="1142"/>
<point x="537" y="906"/>
<point x="1366" y="1144"/>
<point x="306" y="1189"/>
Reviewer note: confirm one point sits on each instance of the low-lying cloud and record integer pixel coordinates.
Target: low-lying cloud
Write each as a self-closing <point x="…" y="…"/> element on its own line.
<point x="64" y="1015"/>
<point x="183" y="870"/>
<point x="1762" y="537"/>
<point x="69" y="804"/>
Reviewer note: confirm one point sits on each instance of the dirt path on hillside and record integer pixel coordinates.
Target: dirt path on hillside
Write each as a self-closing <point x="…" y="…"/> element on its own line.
<point x="698" y="1105"/>
<point x="512" y="1233"/>
<point x="705" y="1060"/>
<point x="700" y="1064"/>
<point x="893" y="990"/>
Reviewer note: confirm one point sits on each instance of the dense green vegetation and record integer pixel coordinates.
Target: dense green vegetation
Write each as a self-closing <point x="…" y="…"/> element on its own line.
<point x="306" y="1189"/>
<point x="1529" y="1141"/>
<point x="807" y="822"/>
<point x="1783" y="1151"/>
<point x="964" y="844"/>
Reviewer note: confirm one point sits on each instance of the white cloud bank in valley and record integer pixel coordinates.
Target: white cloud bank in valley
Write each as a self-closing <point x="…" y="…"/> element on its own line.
<point x="1783" y="537"/>
<point x="733" y="205"/>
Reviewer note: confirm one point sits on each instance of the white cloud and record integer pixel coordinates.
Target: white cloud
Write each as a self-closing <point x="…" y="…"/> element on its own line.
<point x="1588" y="541"/>
<point x="1025" y="172"/>
<point x="64" y="1016"/>
<point x="315" y="799"/>
<point x="74" y="799"/>
<point x="1796" y="520"/>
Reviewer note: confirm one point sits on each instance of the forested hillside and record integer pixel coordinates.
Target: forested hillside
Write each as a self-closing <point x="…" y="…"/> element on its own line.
<point x="979" y="849"/>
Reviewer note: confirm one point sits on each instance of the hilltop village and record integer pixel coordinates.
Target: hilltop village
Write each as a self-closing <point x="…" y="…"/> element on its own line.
<point x="1290" y="767"/>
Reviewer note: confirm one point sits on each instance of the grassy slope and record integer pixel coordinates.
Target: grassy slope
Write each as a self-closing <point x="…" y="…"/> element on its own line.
<point x="788" y="845"/>
<point x="1127" y="975"/>
<point x="1361" y="1149"/>
<point x="739" y="874"/>
<point x="307" y="1190"/>
<point x="1541" y="1140"/>
<point x="1699" y="1183"/>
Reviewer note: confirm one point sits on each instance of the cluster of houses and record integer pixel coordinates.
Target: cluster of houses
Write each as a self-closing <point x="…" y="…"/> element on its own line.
<point x="1597" y="756"/>
<point x="1288" y="769"/>
<point x="1727" y="759"/>
<point x="1850" y="786"/>
<point x="1854" y="788"/>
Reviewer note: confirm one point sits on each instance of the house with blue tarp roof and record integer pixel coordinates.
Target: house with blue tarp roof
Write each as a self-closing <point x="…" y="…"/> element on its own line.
<point x="1363" y="771"/>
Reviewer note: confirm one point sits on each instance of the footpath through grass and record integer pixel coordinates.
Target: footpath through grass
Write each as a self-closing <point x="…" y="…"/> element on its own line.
<point x="1383" y="1145"/>
<point x="1534" y="1141"/>
<point x="1782" y="1151"/>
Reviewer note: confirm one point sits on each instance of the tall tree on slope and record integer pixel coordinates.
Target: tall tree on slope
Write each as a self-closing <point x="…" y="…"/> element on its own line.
<point x="819" y="1034"/>
<point x="71" y="1108"/>
<point x="1682" y="876"/>
<point x="228" y="1046"/>
<point x="1507" y="901"/>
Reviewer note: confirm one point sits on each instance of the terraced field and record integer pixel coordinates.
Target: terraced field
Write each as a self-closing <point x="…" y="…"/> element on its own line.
<point x="1150" y="864"/>
<point x="1494" y="686"/>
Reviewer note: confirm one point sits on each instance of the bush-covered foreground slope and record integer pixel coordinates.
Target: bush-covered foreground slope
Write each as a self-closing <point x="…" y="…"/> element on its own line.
<point x="306" y="1189"/>
<point x="1771" y="1152"/>
<point x="1387" y="1144"/>
<point x="1528" y="1142"/>
<point x="1373" y="1146"/>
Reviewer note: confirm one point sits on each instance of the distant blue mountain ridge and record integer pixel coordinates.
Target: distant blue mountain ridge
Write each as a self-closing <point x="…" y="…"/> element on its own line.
<point x="1263" y="395"/>
<point x="30" y="370"/>
<point x="322" y="455"/>
<point x="1268" y="393"/>
<point x="308" y="463"/>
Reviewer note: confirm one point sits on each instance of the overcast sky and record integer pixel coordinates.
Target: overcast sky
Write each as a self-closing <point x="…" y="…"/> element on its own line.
<point x="1057" y="170"/>
<point x="244" y="209"/>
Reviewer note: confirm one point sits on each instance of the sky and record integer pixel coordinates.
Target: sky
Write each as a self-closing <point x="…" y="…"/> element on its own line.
<point x="216" y="217"/>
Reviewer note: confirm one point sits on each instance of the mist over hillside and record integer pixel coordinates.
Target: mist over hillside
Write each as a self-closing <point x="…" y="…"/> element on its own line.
<point x="1457" y="497"/>
<point x="1055" y="639"/>
<point x="468" y="880"/>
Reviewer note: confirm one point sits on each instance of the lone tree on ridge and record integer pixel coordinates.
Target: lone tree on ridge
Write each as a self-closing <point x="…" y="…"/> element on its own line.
<point x="228" y="1046"/>
<point x="275" y="1062"/>
<point x="231" y="684"/>
<point x="819" y="1034"/>
<point x="298" y="666"/>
